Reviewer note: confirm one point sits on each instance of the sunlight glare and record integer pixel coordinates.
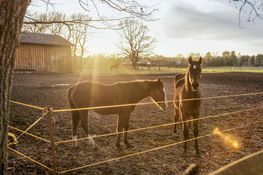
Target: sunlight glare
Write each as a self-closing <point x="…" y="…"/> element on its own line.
<point x="228" y="139"/>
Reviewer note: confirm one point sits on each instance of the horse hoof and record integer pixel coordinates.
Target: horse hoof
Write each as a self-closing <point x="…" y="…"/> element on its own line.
<point x="185" y="154"/>
<point x="198" y="154"/>
<point x="118" y="146"/>
<point x="175" y="135"/>
<point x="95" y="148"/>
<point x="129" y="145"/>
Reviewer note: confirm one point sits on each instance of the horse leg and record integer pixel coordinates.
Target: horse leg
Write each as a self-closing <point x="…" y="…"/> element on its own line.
<point x="176" y="117"/>
<point x="126" y="128"/>
<point x="185" y="131"/>
<point x="195" y="123"/>
<point x="120" y="127"/>
<point x="75" y="121"/>
<point x="85" y="125"/>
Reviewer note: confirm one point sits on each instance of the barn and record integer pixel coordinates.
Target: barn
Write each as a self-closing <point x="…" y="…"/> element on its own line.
<point x="43" y="53"/>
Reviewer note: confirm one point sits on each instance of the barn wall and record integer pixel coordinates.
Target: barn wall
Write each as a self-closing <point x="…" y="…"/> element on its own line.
<point x="43" y="58"/>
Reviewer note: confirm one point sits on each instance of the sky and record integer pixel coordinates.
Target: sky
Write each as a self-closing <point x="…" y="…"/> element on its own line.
<point x="180" y="27"/>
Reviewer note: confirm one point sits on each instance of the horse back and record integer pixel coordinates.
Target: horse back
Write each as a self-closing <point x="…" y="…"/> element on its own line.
<point x="90" y="94"/>
<point x="87" y="93"/>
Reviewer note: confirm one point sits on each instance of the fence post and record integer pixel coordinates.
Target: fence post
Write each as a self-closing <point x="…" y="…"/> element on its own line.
<point x="51" y="129"/>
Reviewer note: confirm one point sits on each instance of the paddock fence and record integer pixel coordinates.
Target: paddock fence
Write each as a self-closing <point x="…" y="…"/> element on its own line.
<point x="49" y="112"/>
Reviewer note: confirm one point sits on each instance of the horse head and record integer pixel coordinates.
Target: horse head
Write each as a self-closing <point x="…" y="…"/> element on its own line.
<point x="194" y="73"/>
<point x="157" y="93"/>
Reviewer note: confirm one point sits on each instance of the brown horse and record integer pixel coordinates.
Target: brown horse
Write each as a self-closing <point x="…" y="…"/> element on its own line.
<point x="89" y="94"/>
<point x="186" y="87"/>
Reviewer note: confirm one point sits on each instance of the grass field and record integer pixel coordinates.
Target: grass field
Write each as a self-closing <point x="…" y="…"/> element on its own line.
<point x="233" y="69"/>
<point x="164" y="70"/>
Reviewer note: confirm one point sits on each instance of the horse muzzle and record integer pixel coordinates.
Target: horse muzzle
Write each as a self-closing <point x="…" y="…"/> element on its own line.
<point x="195" y="86"/>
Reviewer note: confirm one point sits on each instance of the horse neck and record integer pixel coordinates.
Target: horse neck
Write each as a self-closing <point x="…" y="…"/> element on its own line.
<point x="142" y="91"/>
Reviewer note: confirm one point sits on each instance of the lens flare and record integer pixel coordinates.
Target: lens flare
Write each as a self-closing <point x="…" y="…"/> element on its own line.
<point x="228" y="139"/>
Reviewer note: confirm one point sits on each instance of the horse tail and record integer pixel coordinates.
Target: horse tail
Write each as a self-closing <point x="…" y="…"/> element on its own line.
<point x="69" y="98"/>
<point x="72" y="104"/>
<point x="75" y="115"/>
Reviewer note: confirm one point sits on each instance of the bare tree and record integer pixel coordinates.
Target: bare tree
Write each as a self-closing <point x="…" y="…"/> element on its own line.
<point x="135" y="41"/>
<point x="78" y="33"/>
<point x="253" y="9"/>
<point x="83" y="40"/>
<point x="38" y="28"/>
<point x="12" y="13"/>
<point x="75" y="32"/>
<point x="123" y="9"/>
<point x="54" y="28"/>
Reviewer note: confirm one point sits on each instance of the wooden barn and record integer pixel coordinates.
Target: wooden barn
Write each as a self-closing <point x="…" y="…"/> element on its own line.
<point x="43" y="53"/>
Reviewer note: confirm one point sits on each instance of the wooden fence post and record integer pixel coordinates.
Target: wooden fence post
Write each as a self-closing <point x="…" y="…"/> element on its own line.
<point x="51" y="127"/>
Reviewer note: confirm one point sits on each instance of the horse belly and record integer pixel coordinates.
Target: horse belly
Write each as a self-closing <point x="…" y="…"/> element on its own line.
<point x="115" y="110"/>
<point x="106" y="111"/>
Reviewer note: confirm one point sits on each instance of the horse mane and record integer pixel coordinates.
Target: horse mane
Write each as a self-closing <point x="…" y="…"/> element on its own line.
<point x="186" y="78"/>
<point x="182" y="79"/>
<point x="179" y="80"/>
<point x="135" y="82"/>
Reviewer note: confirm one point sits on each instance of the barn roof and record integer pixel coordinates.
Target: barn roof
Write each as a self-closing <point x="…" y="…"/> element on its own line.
<point x="43" y="39"/>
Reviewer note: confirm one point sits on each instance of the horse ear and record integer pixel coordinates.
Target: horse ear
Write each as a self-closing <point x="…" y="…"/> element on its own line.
<point x="190" y="60"/>
<point x="157" y="83"/>
<point x="200" y="60"/>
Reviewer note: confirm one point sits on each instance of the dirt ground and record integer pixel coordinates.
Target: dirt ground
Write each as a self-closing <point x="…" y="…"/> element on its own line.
<point x="37" y="89"/>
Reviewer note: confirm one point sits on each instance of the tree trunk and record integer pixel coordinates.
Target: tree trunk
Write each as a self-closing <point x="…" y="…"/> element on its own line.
<point x="12" y="13"/>
<point x="134" y="62"/>
<point x="134" y="65"/>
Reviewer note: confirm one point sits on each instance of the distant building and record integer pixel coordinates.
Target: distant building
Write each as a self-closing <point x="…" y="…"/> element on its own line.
<point x="43" y="53"/>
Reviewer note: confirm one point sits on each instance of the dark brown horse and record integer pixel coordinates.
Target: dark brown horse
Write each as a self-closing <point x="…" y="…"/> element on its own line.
<point x="89" y="94"/>
<point x="186" y="87"/>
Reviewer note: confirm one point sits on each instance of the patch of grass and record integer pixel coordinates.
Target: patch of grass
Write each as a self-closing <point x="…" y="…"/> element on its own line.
<point x="102" y="70"/>
<point x="233" y="69"/>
